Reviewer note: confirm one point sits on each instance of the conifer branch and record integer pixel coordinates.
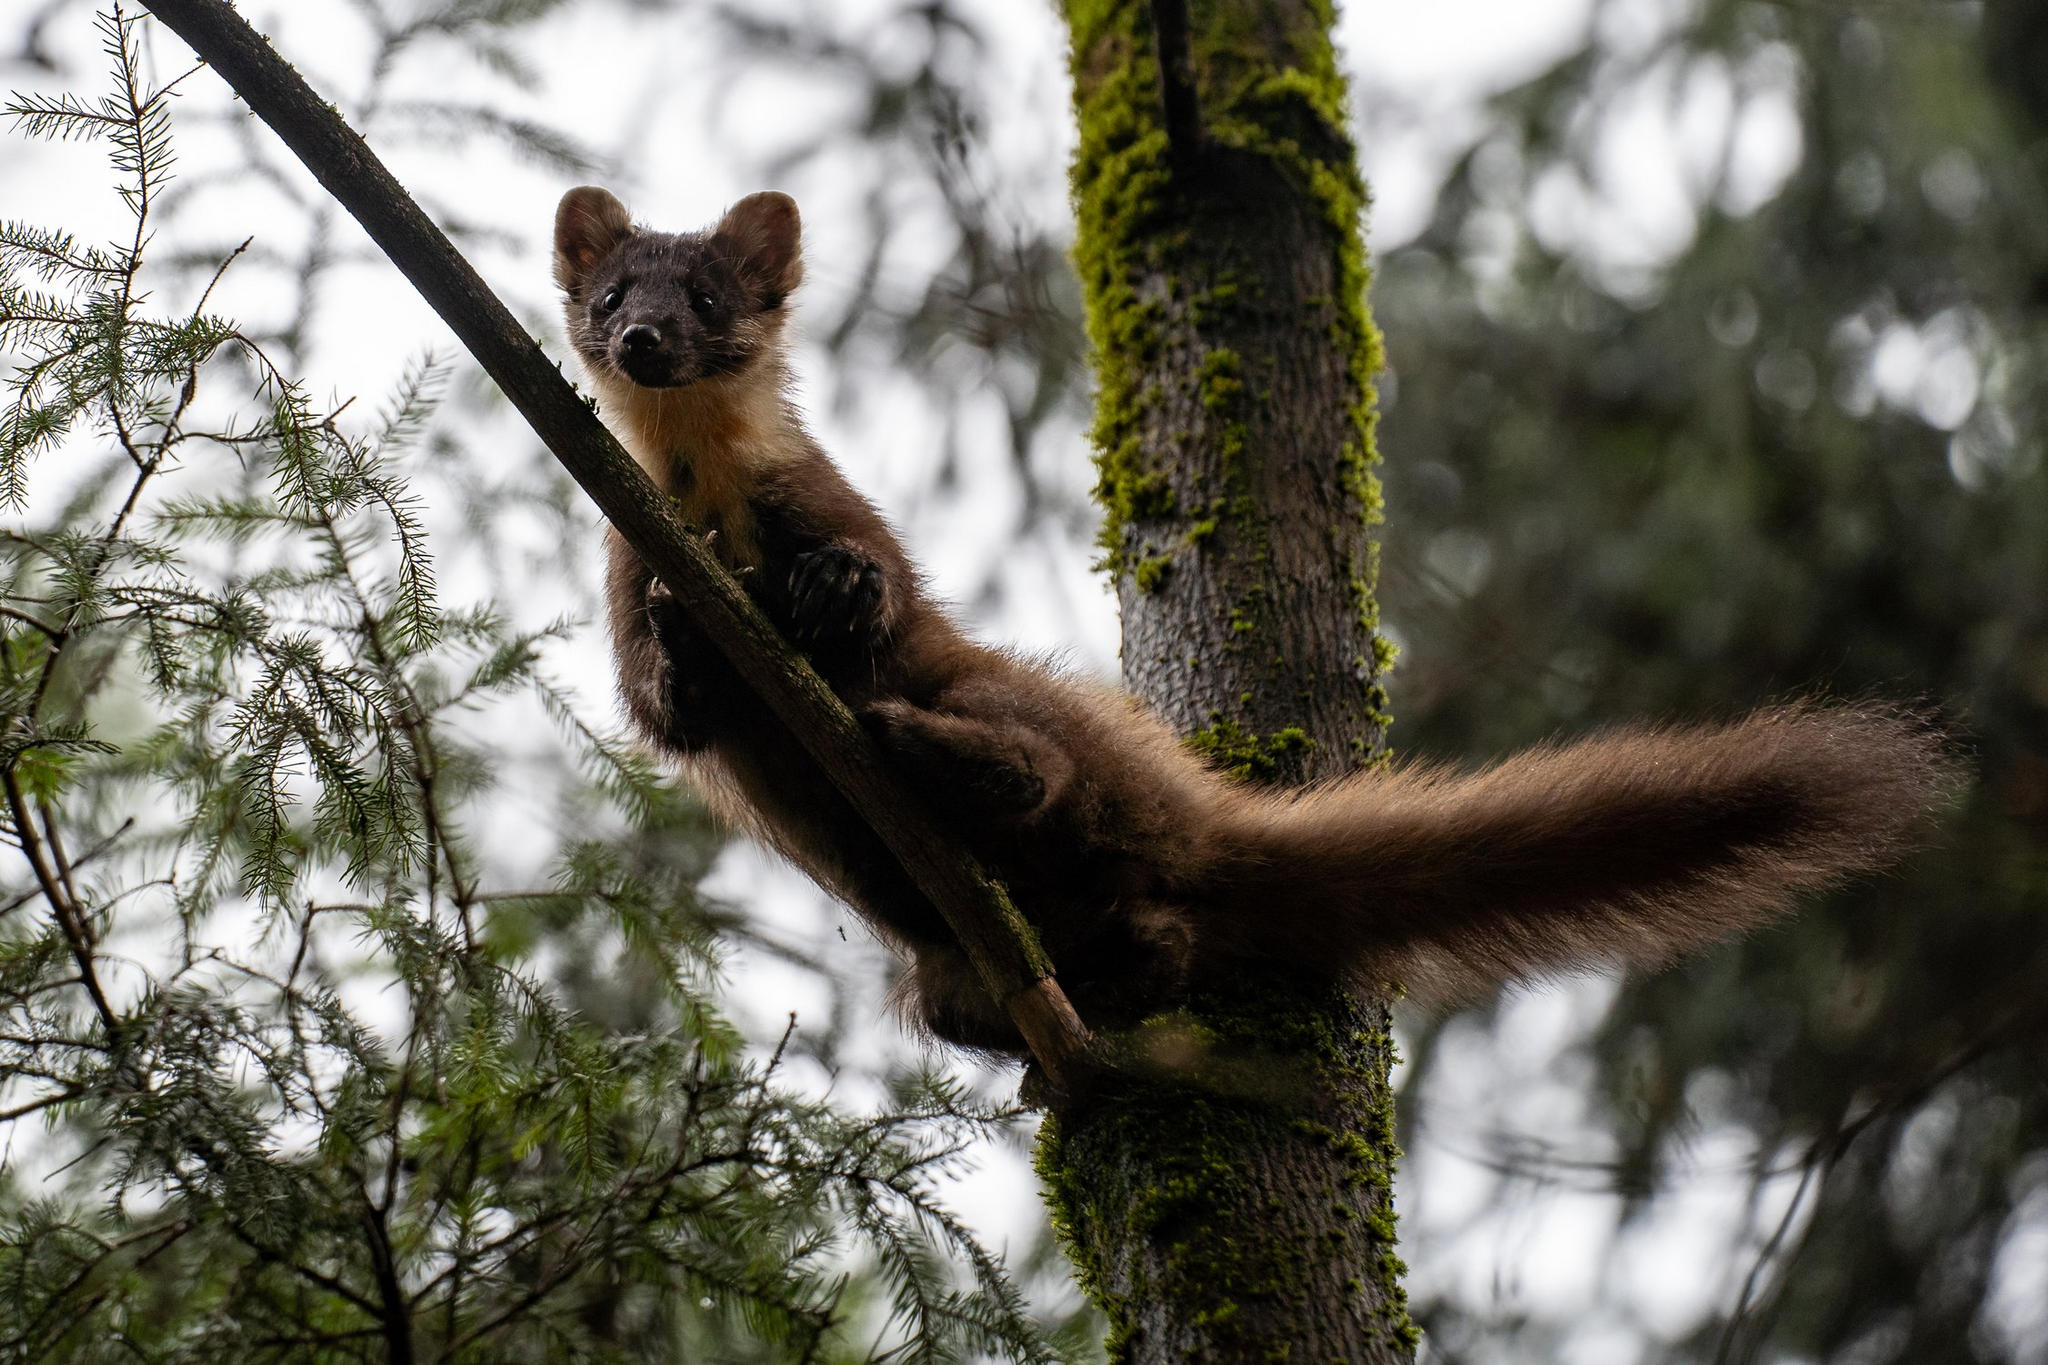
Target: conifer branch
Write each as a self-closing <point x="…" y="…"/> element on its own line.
<point x="69" y="916"/>
<point x="996" y="938"/>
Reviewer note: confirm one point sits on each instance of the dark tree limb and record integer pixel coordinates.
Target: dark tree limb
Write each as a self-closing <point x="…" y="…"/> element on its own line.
<point x="1177" y="82"/>
<point x="995" y="936"/>
<point x="395" y="1313"/>
<point x="70" y="916"/>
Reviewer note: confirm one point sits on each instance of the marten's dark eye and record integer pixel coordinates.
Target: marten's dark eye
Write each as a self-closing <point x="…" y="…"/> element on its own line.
<point x="701" y="302"/>
<point x="612" y="298"/>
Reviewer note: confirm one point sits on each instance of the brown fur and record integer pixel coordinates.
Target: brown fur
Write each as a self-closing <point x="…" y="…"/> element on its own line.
<point x="1146" y="872"/>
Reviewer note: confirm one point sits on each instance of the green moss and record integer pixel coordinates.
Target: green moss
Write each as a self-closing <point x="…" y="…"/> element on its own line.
<point x="1120" y="180"/>
<point x="1216" y="304"/>
<point x="1150" y="572"/>
<point x="1221" y="379"/>
<point x="1148" y="1186"/>
<point x="1018" y="928"/>
<point x="1235" y="750"/>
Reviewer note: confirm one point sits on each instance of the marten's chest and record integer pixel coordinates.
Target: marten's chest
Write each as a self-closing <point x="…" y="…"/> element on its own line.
<point x="715" y="498"/>
<point x="708" y="459"/>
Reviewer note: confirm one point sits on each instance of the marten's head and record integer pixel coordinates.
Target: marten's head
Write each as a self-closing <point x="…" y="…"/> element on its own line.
<point x="664" y="310"/>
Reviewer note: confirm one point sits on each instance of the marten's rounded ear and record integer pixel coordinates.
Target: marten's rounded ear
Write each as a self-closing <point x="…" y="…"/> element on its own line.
<point x="589" y="222"/>
<point x="762" y="235"/>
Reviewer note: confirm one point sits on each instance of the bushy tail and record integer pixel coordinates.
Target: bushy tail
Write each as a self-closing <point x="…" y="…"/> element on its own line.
<point x="1629" y="847"/>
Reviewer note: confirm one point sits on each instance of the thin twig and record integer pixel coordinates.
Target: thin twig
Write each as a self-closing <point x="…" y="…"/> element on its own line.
<point x="36" y="1106"/>
<point x="45" y="627"/>
<point x="1818" y="1163"/>
<point x="53" y="891"/>
<point x="55" y="840"/>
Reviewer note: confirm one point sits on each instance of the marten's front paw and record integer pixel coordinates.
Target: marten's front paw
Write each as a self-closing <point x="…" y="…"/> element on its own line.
<point x="835" y="594"/>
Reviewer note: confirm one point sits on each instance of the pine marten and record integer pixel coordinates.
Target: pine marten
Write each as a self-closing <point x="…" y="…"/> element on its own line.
<point x="1145" y="871"/>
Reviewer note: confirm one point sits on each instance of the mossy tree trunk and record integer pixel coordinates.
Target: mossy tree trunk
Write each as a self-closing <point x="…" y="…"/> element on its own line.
<point x="1228" y="1199"/>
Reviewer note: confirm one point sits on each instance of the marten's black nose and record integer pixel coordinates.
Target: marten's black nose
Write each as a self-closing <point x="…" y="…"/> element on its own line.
<point x="641" y="337"/>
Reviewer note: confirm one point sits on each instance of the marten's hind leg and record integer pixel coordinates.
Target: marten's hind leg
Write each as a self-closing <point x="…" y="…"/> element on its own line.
<point x="999" y="766"/>
<point x="1135" y="960"/>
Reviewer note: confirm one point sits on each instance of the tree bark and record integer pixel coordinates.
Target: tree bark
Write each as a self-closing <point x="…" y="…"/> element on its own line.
<point x="1230" y="1200"/>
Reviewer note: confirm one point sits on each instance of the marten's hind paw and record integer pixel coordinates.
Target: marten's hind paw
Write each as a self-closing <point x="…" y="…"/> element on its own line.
<point x="1002" y="769"/>
<point x="835" y="594"/>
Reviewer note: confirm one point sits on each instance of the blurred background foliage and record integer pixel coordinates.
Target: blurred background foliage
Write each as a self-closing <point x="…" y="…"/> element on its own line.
<point x="1803" y="451"/>
<point x="1784" y="433"/>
